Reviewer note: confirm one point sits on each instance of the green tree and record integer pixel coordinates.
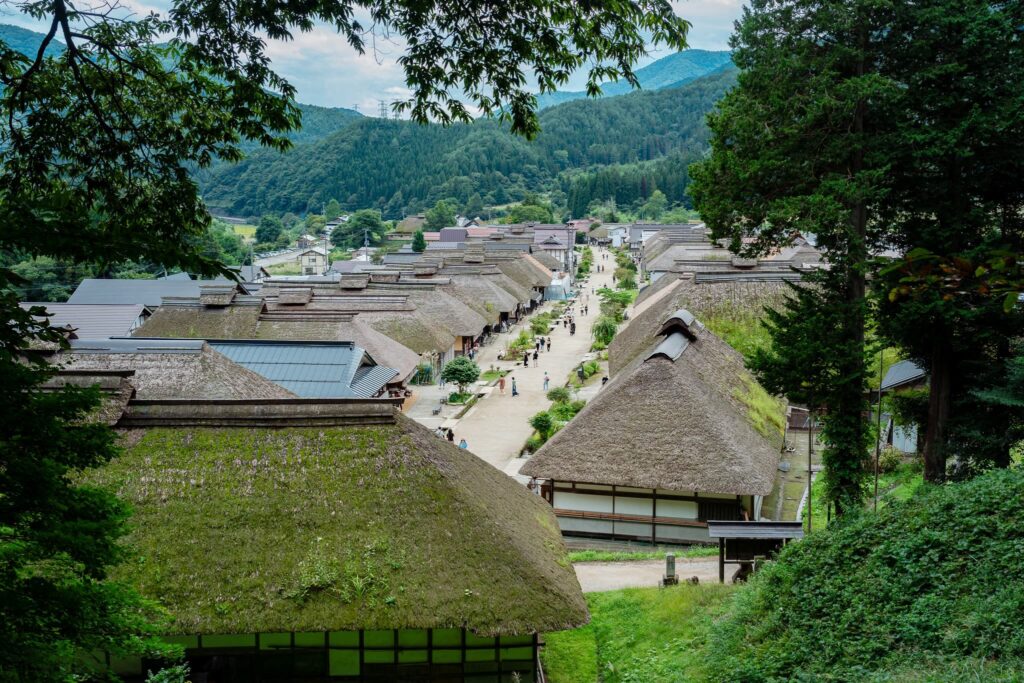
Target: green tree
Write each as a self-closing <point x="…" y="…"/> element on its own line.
<point x="332" y="210"/>
<point x="655" y="205"/>
<point x="955" y="210"/>
<point x="530" y="213"/>
<point x="269" y="229"/>
<point x="474" y="206"/>
<point x="441" y="215"/>
<point x="796" y="148"/>
<point x="97" y="149"/>
<point x="419" y="242"/>
<point x="461" y="371"/>
<point x="360" y="225"/>
<point x="314" y="224"/>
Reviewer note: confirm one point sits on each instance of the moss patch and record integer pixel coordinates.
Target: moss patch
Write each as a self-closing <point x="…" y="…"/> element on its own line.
<point x="765" y="412"/>
<point x="245" y="530"/>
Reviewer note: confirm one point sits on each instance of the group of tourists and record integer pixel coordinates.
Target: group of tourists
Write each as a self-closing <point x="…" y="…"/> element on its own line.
<point x="449" y="436"/>
<point x="515" y="388"/>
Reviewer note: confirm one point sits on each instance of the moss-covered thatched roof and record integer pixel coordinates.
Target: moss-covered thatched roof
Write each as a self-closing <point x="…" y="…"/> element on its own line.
<point x="375" y="526"/>
<point x="706" y="300"/>
<point x="684" y="416"/>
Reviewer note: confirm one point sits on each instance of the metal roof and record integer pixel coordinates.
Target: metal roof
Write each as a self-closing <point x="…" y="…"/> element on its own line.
<point x="310" y="369"/>
<point x="146" y="292"/>
<point x="93" y="321"/>
<point x="902" y="373"/>
<point x="137" y="345"/>
<point x="733" y="529"/>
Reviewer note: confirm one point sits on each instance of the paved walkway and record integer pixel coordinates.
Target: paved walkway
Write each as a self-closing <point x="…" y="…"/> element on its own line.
<point x="497" y="427"/>
<point x="611" y="576"/>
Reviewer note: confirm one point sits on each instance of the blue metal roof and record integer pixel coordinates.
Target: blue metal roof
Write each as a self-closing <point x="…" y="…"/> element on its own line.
<point x="310" y="369"/>
<point x="901" y="373"/>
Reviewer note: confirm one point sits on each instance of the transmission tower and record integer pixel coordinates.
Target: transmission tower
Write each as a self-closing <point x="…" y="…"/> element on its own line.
<point x="382" y="109"/>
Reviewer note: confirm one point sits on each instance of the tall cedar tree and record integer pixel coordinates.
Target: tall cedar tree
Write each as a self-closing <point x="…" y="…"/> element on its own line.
<point x="97" y="145"/>
<point x="419" y="242"/>
<point x="956" y="207"/>
<point x="794" y="150"/>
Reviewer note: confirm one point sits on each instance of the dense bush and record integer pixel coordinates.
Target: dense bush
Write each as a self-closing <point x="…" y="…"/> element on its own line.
<point x="928" y="589"/>
<point x="559" y="395"/>
<point x="604" y="330"/>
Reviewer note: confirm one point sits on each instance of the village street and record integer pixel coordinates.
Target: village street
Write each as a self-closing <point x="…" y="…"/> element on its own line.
<point x="496" y="427"/>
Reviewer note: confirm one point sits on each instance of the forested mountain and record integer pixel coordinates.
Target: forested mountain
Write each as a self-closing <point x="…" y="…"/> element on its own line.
<point x="27" y="42"/>
<point x="399" y="166"/>
<point x="674" y="70"/>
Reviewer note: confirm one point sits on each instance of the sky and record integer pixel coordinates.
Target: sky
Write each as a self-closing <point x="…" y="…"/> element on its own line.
<point x="327" y="72"/>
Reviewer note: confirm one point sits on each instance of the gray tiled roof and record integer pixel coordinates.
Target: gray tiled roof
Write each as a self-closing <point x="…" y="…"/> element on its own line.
<point x="146" y="292"/>
<point x="93" y="321"/>
<point x="310" y="369"/>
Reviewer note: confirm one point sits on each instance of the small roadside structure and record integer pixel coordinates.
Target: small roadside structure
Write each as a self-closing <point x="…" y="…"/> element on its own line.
<point x="742" y="543"/>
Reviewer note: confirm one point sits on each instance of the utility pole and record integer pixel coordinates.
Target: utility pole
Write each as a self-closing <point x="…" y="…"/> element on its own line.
<point x="382" y="109"/>
<point x="878" y="423"/>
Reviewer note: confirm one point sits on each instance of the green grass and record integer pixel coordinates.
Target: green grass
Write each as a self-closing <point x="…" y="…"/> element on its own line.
<point x="286" y="268"/>
<point x="631" y="555"/>
<point x="741" y="329"/>
<point x="638" y="635"/>
<point x="491" y="375"/>
<point x="244" y="230"/>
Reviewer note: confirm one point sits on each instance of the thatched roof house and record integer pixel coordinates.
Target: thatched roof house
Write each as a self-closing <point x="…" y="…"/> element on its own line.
<point x="680" y="436"/>
<point x="322" y="539"/>
<point x="739" y="301"/>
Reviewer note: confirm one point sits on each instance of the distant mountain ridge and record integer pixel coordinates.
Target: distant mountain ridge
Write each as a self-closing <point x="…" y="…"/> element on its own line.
<point x="317" y="122"/>
<point x="668" y="72"/>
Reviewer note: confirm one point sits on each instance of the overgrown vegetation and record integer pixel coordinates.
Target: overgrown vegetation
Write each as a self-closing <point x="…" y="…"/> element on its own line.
<point x="765" y="412"/>
<point x="926" y="589"/>
<point x="638" y="635"/>
<point x="547" y="422"/>
<point x="633" y="555"/>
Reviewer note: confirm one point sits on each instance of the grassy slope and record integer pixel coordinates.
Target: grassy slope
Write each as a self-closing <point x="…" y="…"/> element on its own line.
<point x="639" y="634"/>
<point x="927" y="589"/>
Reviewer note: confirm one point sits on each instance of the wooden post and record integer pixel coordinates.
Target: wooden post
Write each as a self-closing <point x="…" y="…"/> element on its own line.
<point x="721" y="560"/>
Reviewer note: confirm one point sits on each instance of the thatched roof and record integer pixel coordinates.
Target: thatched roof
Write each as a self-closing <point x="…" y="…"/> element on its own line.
<point x="171" y="369"/>
<point x="248" y="322"/>
<point x="522" y="294"/>
<point x="729" y="299"/>
<point x="677" y="419"/>
<point x="447" y="312"/>
<point x="230" y="523"/>
<point x="526" y="271"/>
<point x="482" y="295"/>
<point x="547" y="260"/>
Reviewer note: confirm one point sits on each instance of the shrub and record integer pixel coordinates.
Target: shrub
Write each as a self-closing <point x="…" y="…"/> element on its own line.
<point x="559" y="395"/>
<point x="908" y="593"/>
<point x="889" y="459"/>
<point x="533" y="444"/>
<point x="591" y="368"/>
<point x="540" y="325"/>
<point x="604" y="330"/>
<point x="543" y="423"/>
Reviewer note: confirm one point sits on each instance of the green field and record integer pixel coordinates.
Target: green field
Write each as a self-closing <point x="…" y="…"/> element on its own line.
<point x="247" y="231"/>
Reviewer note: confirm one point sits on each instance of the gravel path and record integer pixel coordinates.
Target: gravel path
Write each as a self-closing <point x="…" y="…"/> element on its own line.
<point x="595" y="577"/>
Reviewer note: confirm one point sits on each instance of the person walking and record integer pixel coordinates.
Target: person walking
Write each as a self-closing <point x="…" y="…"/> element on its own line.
<point x="451" y="436"/>
<point x="515" y="389"/>
<point x="547" y="381"/>
<point x="501" y="385"/>
<point x="572" y="330"/>
<point x="534" y="359"/>
<point x="549" y="344"/>
<point x="463" y="444"/>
